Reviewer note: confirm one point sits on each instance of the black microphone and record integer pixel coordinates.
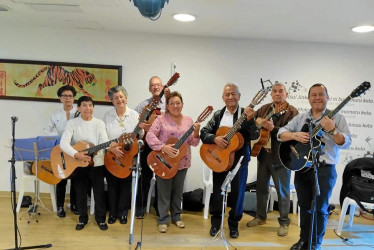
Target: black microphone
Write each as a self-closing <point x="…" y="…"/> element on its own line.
<point x="14" y="118"/>
<point x="308" y="120"/>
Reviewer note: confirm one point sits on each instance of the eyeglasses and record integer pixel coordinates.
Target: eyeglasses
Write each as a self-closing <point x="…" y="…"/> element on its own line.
<point x="67" y="96"/>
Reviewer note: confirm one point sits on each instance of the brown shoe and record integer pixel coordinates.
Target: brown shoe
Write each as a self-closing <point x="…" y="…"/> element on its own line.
<point x="283" y="230"/>
<point x="162" y="228"/>
<point x="255" y="222"/>
<point x="179" y="224"/>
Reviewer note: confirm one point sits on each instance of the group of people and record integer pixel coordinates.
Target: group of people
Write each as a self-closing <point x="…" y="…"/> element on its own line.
<point x="283" y="126"/>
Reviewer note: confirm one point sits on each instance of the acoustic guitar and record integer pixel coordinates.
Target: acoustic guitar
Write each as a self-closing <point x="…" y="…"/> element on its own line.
<point x="121" y="167"/>
<point x="165" y="166"/>
<point x="264" y="133"/>
<point x="221" y="159"/>
<point x="45" y="172"/>
<point x="63" y="165"/>
<point x="295" y="155"/>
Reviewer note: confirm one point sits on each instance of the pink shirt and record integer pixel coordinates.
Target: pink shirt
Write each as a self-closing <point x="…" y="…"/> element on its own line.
<point x="164" y="128"/>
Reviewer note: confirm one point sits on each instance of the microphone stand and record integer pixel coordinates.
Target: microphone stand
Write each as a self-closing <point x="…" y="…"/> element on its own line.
<point x="225" y="185"/>
<point x="13" y="192"/>
<point x="135" y="177"/>
<point x="316" y="189"/>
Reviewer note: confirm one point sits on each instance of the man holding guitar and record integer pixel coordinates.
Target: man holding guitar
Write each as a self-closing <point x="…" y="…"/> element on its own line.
<point x="92" y="130"/>
<point x="248" y="130"/>
<point x="155" y="88"/>
<point x="336" y="136"/>
<point x="268" y="163"/>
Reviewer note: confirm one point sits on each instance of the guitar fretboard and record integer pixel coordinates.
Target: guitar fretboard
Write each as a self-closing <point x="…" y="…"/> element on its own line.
<point x="237" y="124"/>
<point x="99" y="147"/>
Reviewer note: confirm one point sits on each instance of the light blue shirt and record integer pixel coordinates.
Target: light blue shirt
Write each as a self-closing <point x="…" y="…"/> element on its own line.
<point x="330" y="152"/>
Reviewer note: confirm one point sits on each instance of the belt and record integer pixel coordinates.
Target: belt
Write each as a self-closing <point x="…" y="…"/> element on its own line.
<point x="324" y="165"/>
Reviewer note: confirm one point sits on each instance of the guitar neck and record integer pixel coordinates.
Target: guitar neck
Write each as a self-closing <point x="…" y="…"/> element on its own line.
<point x="266" y="118"/>
<point x="331" y="114"/>
<point x="237" y="124"/>
<point x="184" y="138"/>
<point x="100" y="147"/>
<point x="142" y="118"/>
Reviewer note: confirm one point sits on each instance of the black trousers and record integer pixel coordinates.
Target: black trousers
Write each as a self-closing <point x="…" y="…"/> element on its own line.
<point x="61" y="190"/>
<point x="236" y="196"/>
<point x="119" y="194"/>
<point x="82" y="178"/>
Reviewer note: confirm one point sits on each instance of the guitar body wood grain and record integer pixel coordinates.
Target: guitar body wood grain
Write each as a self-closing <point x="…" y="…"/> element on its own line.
<point x="221" y="159"/>
<point x="121" y="167"/>
<point x="64" y="169"/>
<point x="162" y="170"/>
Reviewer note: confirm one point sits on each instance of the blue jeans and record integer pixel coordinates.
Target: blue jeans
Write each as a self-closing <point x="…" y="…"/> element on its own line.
<point x="304" y="184"/>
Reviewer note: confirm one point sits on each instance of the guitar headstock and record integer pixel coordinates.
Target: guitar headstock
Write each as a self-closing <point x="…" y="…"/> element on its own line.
<point x="259" y="97"/>
<point x="125" y="137"/>
<point x="154" y="103"/>
<point x="207" y="111"/>
<point x="281" y="108"/>
<point x="360" y="89"/>
<point x="172" y="80"/>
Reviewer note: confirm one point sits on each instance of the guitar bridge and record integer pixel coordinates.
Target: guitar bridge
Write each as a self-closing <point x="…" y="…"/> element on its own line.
<point x="294" y="151"/>
<point x="214" y="156"/>
<point x="63" y="161"/>
<point x="118" y="162"/>
<point x="163" y="161"/>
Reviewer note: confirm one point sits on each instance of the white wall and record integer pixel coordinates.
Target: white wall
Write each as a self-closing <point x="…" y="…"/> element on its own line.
<point x="205" y="65"/>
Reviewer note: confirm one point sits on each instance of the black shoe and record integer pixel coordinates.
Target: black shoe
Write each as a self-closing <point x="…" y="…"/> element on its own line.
<point x="74" y="209"/>
<point x="123" y="219"/>
<point x="213" y="231"/>
<point x="103" y="226"/>
<point x="139" y="214"/>
<point x="234" y="233"/>
<point x="112" y="219"/>
<point x="80" y="225"/>
<point x="61" y="212"/>
<point x="300" y="245"/>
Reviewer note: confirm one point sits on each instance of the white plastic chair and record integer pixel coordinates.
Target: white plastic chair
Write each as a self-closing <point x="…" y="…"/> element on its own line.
<point x="32" y="178"/>
<point x="151" y="192"/>
<point x="352" y="203"/>
<point x="208" y="187"/>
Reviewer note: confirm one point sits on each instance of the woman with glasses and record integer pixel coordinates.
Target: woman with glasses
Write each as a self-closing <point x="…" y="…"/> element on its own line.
<point x="57" y="122"/>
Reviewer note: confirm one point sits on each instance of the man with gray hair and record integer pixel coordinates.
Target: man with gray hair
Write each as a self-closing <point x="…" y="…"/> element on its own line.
<point x="268" y="163"/>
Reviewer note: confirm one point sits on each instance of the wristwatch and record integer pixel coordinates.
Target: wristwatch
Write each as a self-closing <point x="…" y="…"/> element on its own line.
<point x="333" y="132"/>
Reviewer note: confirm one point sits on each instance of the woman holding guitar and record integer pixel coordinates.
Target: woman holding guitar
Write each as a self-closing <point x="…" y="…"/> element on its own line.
<point x="170" y="191"/>
<point x="92" y="130"/>
<point x="119" y="120"/>
<point x="58" y="122"/>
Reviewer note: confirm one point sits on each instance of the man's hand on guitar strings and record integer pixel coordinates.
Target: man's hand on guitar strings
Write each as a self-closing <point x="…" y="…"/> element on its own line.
<point x="302" y="137"/>
<point x="221" y="141"/>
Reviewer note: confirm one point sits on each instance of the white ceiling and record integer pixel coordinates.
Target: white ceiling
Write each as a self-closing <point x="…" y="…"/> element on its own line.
<point x="328" y="21"/>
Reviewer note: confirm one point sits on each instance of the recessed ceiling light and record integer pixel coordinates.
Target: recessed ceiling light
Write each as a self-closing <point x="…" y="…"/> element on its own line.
<point x="363" y="29"/>
<point x="184" y="17"/>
